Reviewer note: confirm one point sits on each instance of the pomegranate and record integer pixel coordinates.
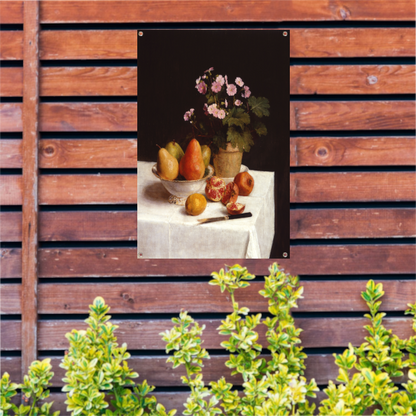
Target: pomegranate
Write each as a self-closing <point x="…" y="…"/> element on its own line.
<point x="231" y="193"/>
<point x="215" y="189"/>
<point x="234" y="208"/>
<point x="245" y="183"/>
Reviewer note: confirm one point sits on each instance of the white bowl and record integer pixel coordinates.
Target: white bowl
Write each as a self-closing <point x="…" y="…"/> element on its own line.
<point x="180" y="190"/>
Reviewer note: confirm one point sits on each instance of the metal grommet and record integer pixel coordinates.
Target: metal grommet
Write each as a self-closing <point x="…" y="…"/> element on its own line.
<point x="140" y="33"/>
<point x="285" y="254"/>
<point x="284" y="33"/>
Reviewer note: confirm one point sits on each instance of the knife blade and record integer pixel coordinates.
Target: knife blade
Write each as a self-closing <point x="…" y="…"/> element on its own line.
<point x="225" y="218"/>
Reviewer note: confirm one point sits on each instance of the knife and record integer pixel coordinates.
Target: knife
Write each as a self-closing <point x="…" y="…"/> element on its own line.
<point x="226" y="217"/>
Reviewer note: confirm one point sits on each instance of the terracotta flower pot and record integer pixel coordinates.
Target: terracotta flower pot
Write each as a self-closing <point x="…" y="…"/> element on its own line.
<point x="227" y="163"/>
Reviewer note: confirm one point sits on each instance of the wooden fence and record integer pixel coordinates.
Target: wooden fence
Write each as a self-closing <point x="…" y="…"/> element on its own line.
<point x="68" y="121"/>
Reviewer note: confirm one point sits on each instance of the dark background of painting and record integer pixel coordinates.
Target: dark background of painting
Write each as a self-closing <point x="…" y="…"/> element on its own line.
<point x="169" y="62"/>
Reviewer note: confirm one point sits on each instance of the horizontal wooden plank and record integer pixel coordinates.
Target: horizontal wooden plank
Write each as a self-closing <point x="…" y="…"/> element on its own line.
<point x="12" y="366"/>
<point x="11" y="12"/>
<point x="223" y="11"/>
<point x="11" y="189"/>
<point x="352" y="115"/>
<point x="200" y="297"/>
<point x="11" y="117"/>
<point x="88" y="44"/>
<point x="316" y="260"/>
<point x="304" y="151"/>
<point x="11" y="263"/>
<point x="310" y="43"/>
<point x="122" y="262"/>
<point x="10" y="153"/>
<point x="11" y="335"/>
<point x="78" y="189"/>
<point x="10" y="299"/>
<point x="352" y="223"/>
<point x="304" y="187"/>
<point x="356" y="42"/>
<point x="351" y="186"/>
<point x="157" y="372"/>
<point x="352" y="79"/>
<point x="11" y="48"/>
<point x="88" y="117"/>
<point x="352" y="151"/>
<point x="11" y="82"/>
<point x="304" y="224"/>
<point x="104" y="153"/>
<point x="144" y="334"/>
<point x="87" y="81"/>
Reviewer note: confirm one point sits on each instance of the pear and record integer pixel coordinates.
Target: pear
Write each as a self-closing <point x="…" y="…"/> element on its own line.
<point x="206" y="154"/>
<point x="175" y="150"/>
<point x="167" y="165"/>
<point x="192" y="166"/>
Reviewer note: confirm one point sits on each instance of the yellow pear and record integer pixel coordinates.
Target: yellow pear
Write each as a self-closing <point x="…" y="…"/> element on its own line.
<point x="167" y="165"/>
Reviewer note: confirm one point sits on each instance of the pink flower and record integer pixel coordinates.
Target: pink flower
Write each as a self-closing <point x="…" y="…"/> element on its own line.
<point x="226" y="103"/>
<point x="215" y="112"/>
<point x="192" y="110"/>
<point x="238" y="103"/>
<point x="239" y="82"/>
<point x="205" y="108"/>
<point x="187" y="116"/>
<point x="204" y="76"/>
<point x="231" y="90"/>
<point x="216" y="86"/>
<point x="226" y="80"/>
<point x="209" y="70"/>
<point x="246" y="93"/>
<point x="211" y="108"/>
<point x="220" y="79"/>
<point x="197" y="81"/>
<point x="221" y="114"/>
<point x="202" y="87"/>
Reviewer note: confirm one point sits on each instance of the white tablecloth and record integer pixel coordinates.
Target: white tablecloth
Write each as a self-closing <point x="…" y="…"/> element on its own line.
<point x="166" y="231"/>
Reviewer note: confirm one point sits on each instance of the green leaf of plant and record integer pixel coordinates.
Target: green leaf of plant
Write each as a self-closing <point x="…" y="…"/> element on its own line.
<point x="259" y="106"/>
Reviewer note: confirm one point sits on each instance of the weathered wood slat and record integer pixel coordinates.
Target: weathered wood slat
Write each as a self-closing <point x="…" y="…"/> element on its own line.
<point x="10" y="153"/>
<point x="107" y="153"/>
<point x="157" y="372"/>
<point x="352" y="151"/>
<point x="352" y="115"/>
<point x="11" y="82"/>
<point x="311" y="43"/>
<point x="319" y="259"/>
<point x="11" y="189"/>
<point x="304" y="79"/>
<point x="88" y="44"/>
<point x="304" y="224"/>
<point x="230" y="10"/>
<point x="199" y="297"/>
<point x="11" y="12"/>
<point x="11" y="295"/>
<point x="304" y="115"/>
<point x="11" y="117"/>
<point x="352" y="79"/>
<point x="144" y="334"/>
<point x="352" y="223"/>
<point x="87" y="81"/>
<point x="11" y="336"/>
<point x="97" y="189"/>
<point x="304" y="151"/>
<point x="351" y="186"/>
<point x="121" y="262"/>
<point x="11" y="263"/>
<point x="11" y="44"/>
<point x="88" y="117"/>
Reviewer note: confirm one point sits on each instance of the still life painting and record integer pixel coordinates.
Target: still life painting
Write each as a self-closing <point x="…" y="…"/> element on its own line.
<point x="213" y="144"/>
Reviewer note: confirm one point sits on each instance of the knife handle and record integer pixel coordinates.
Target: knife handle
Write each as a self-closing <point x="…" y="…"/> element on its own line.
<point x="245" y="215"/>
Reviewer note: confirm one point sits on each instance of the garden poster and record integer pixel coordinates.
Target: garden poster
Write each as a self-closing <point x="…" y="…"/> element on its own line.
<point x="213" y="144"/>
